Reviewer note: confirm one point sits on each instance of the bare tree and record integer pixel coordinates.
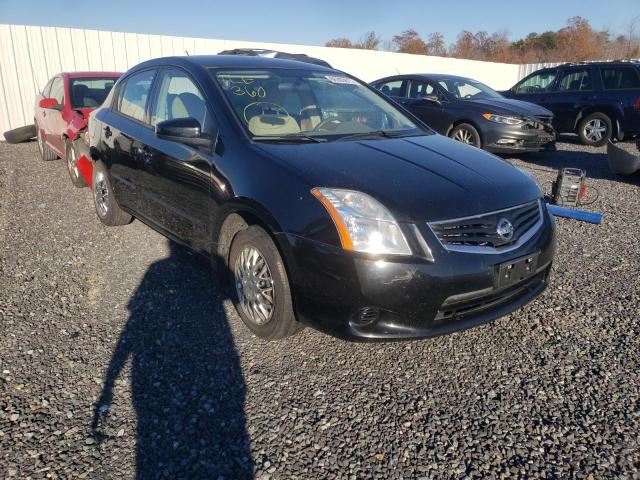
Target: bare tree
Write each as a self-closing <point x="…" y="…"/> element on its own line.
<point x="340" y="42"/>
<point x="370" y="41"/>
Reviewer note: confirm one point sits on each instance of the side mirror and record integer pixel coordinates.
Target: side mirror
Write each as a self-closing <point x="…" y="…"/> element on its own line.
<point x="182" y="130"/>
<point x="432" y="99"/>
<point x="50" y="103"/>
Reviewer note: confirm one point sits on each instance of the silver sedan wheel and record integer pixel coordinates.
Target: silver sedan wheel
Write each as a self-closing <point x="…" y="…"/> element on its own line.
<point x="595" y="130"/>
<point x="465" y="136"/>
<point x="101" y="193"/>
<point x="254" y="285"/>
<point x="72" y="162"/>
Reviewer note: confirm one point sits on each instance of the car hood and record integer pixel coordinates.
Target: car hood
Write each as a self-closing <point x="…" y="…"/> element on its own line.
<point x="423" y="178"/>
<point x="514" y="107"/>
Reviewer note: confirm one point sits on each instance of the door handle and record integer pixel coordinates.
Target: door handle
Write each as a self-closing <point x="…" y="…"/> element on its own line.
<point x="107" y="132"/>
<point x="145" y="154"/>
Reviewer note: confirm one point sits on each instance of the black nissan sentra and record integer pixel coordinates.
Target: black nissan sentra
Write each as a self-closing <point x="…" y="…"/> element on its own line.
<point x="320" y="201"/>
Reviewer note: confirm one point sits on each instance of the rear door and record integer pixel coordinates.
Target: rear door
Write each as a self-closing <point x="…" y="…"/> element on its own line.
<point x="174" y="177"/>
<point x="621" y="86"/>
<point x="122" y="127"/>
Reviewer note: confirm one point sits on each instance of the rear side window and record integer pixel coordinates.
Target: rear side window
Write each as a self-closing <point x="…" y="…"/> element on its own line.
<point x="418" y="90"/>
<point x="575" y="80"/>
<point x="618" y="78"/>
<point x="134" y="94"/>
<point x="57" y="90"/>
<point x="392" y="88"/>
<point x="537" y="83"/>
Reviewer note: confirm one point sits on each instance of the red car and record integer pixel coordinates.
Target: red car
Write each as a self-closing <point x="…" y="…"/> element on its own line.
<point x="61" y="116"/>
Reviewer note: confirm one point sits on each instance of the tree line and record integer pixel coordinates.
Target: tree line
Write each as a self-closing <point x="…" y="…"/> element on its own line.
<point x="577" y="41"/>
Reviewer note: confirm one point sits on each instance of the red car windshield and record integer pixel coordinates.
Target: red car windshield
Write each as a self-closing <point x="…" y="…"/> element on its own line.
<point x="90" y="92"/>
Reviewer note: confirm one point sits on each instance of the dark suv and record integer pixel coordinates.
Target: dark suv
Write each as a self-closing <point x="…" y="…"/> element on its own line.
<point x="596" y="100"/>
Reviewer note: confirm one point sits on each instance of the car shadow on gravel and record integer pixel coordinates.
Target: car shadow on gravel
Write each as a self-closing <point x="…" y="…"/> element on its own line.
<point x="187" y="387"/>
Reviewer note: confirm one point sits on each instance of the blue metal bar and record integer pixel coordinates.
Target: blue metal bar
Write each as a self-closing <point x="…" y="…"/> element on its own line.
<point x="590" y="217"/>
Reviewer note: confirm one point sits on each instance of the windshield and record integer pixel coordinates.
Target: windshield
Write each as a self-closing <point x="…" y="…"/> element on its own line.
<point x="303" y="103"/>
<point x="90" y="92"/>
<point x="465" y="89"/>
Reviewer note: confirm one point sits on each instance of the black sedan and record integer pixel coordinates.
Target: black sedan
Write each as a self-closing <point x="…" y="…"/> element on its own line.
<point x="320" y="201"/>
<point x="472" y="113"/>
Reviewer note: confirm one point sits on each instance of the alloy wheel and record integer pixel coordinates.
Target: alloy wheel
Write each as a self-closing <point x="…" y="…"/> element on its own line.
<point x="254" y="285"/>
<point x="465" y="136"/>
<point x="72" y="162"/>
<point x="101" y="193"/>
<point x="595" y="130"/>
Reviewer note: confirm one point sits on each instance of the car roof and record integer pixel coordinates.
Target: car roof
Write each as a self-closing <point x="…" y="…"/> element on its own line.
<point x="90" y="74"/>
<point x="426" y="76"/>
<point x="232" y="61"/>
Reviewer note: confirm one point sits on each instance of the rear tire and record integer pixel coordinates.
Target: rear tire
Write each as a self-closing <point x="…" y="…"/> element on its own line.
<point x="107" y="208"/>
<point x="467" y="134"/>
<point x="46" y="153"/>
<point x="71" y="158"/>
<point x="19" y="135"/>
<point x="255" y="265"/>
<point x="595" y="129"/>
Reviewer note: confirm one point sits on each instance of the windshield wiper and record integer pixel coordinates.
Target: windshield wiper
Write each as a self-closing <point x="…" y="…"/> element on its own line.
<point x="292" y="137"/>
<point x="373" y="134"/>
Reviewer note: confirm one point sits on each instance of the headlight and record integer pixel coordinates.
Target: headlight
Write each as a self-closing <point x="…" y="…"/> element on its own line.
<point x="503" y="119"/>
<point x="363" y="223"/>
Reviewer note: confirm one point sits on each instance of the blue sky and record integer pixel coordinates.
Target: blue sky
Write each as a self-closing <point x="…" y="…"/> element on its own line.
<point x="315" y="22"/>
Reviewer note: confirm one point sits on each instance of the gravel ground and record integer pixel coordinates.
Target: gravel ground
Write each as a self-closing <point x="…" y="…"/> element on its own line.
<point x="120" y="359"/>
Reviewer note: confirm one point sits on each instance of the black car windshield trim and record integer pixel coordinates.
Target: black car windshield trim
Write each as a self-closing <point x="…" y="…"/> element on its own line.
<point x="301" y="104"/>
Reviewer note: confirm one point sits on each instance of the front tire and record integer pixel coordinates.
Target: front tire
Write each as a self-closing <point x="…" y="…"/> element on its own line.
<point x="46" y="153"/>
<point x="259" y="285"/>
<point x="467" y="134"/>
<point x="595" y="129"/>
<point x="71" y="157"/>
<point x="107" y="208"/>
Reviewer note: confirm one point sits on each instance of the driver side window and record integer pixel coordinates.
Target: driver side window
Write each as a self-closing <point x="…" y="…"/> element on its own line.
<point x="57" y="90"/>
<point x="538" y="83"/>
<point x="179" y="97"/>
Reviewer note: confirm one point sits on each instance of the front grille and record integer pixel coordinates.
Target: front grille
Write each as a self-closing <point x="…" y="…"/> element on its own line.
<point x="542" y="123"/>
<point x="545" y="119"/>
<point x="481" y="234"/>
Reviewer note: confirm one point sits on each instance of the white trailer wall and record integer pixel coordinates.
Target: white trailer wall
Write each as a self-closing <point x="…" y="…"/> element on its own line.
<point x="30" y="55"/>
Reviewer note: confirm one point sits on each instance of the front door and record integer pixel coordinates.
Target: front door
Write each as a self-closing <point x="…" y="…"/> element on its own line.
<point x="54" y="124"/>
<point x="423" y="99"/>
<point x="574" y="91"/>
<point x="122" y="128"/>
<point x="175" y="176"/>
<point x="535" y="88"/>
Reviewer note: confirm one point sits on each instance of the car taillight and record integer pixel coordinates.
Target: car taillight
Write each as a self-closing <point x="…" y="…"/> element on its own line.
<point x="636" y="105"/>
